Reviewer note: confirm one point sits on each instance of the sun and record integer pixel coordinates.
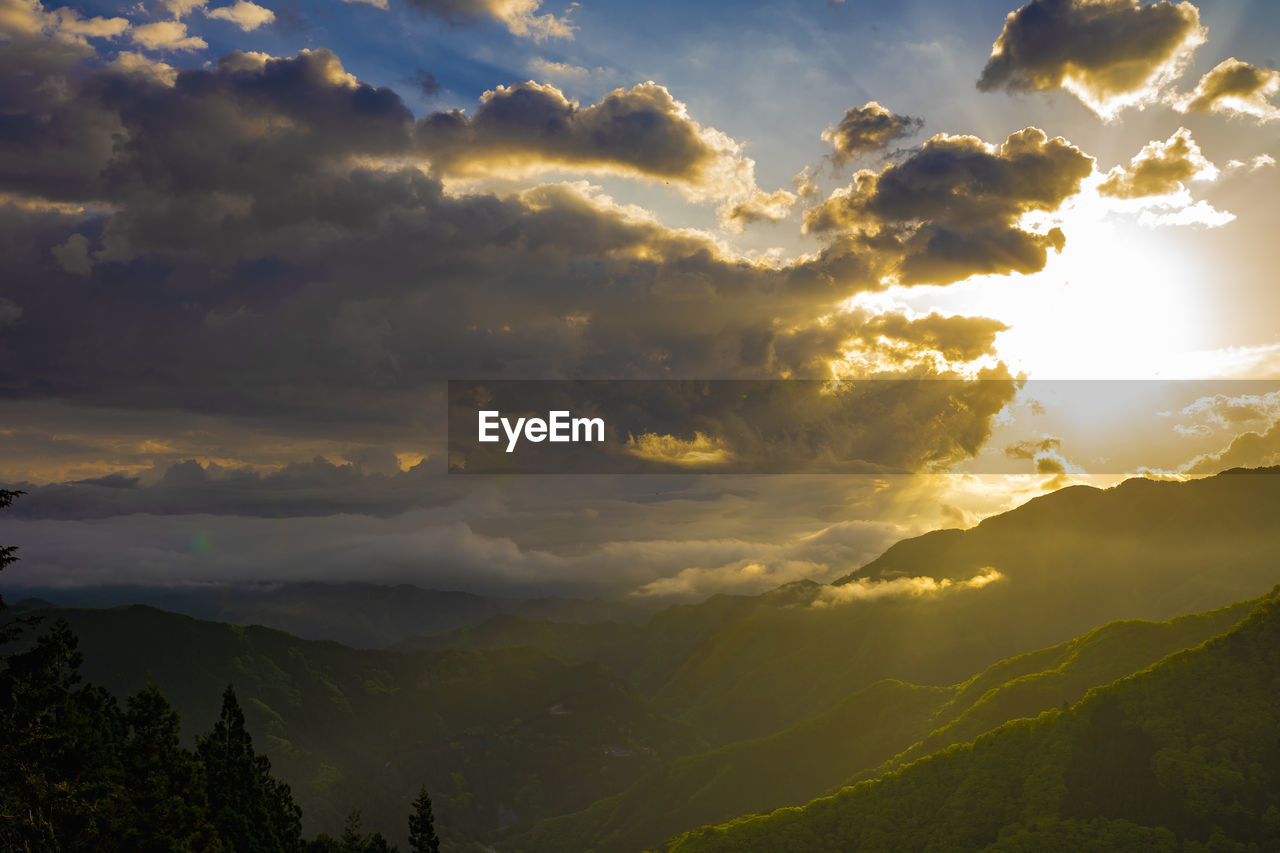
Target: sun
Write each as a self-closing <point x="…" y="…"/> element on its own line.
<point x="1123" y="300"/>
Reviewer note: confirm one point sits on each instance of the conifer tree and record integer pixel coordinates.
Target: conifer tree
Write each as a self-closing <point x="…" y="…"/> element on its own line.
<point x="422" y="825"/>
<point x="251" y="810"/>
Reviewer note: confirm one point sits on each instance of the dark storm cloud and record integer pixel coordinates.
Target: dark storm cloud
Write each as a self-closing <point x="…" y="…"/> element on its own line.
<point x="953" y="208"/>
<point x="1108" y="53"/>
<point x="868" y="128"/>
<point x="316" y="488"/>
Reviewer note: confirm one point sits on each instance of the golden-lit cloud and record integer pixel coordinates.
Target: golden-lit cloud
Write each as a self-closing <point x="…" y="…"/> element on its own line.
<point x="868" y="128"/>
<point x="167" y="35"/>
<point x="520" y="17"/>
<point x="1110" y="54"/>
<point x="71" y="21"/>
<point x="1233" y="87"/>
<point x="1160" y="168"/>
<point x="1045" y="453"/>
<point x="1251" y="449"/>
<point x="701" y="451"/>
<point x="531" y="128"/>
<point x="866" y="589"/>
<point x="133" y="62"/>
<point x="244" y="14"/>
<point x="760" y="206"/>
<point x="181" y="8"/>
<point x="954" y="208"/>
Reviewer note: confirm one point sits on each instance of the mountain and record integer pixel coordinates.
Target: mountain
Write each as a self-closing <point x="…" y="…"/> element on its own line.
<point x="1182" y="756"/>
<point x="360" y="615"/>
<point x="743" y="667"/>
<point x="869" y="733"/>
<point x="500" y="738"/>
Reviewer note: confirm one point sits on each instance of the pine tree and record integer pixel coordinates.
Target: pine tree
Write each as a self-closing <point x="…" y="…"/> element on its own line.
<point x="251" y="810"/>
<point x="422" y="825"/>
<point x="166" y="791"/>
<point x="352" y="838"/>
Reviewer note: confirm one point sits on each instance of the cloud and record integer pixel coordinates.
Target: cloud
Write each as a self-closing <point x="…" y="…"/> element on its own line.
<point x="181" y="8"/>
<point x="531" y="128"/>
<point x="1233" y="87"/>
<point x="761" y="207"/>
<point x="1110" y="54"/>
<point x="868" y="128"/>
<point x="73" y="255"/>
<point x="1247" y="450"/>
<point x="550" y="69"/>
<point x="520" y="17"/>
<point x="1253" y="420"/>
<point x="1046" y="454"/>
<point x="701" y="451"/>
<point x="133" y="62"/>
<point x="1160" y="168"/>
<point x="953" y="209"/>
<point x="595" y="537"/>
<point x="244" y="14"/>
<point x="274" y="274"/>
<point x="1199" y="213"/>
<point x="10" y="312"/>
<point x="865" y="589"/>
<point x="72" y="22"/>
<point x="425" y="82"/>
<point x="167" y="35"/>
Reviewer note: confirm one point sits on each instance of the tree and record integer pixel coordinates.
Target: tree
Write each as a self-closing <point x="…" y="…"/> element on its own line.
<point x="166" y="791"/>
<point x="8" y="556"/>
<point x="352" y="838"/>
<point x="422" y="825"/>
<point x="251" y="810"/>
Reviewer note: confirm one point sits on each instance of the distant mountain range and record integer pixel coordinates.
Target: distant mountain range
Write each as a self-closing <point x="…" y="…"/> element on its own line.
<point x="360" y="615"/>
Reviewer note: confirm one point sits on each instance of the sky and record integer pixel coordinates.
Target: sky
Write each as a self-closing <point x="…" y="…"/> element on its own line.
<point x="244" y="247"/>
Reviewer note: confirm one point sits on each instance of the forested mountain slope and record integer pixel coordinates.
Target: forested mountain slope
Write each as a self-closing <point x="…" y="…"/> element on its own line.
<point x="1183" y="756"/>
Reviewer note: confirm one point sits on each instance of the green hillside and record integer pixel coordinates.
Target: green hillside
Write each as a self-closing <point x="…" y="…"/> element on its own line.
<point x="743" y="667"/>
<point x="887" y="723"/>
<point x="1182" y="756"/>
<point x="501" y="738"/>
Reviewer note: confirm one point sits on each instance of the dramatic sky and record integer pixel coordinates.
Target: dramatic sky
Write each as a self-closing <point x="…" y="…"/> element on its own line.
<point x="243" y="246"/>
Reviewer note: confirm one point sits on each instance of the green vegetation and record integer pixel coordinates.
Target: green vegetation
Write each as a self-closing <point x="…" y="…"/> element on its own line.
<point x="501" y="738"/>
<point x="1183" y="756"/>
<point x="865" y="735"/>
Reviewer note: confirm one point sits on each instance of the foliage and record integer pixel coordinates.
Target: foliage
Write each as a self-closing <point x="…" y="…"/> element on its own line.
<point x="1184" y="756"/>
